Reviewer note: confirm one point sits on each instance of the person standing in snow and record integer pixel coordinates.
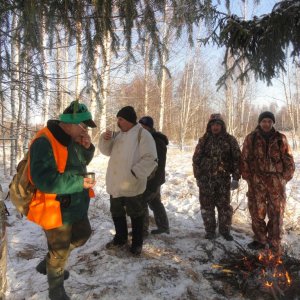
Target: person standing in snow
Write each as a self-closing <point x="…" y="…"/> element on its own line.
<point x="216" y="157"/>
<point x="267" y="165"/>
<point x="133" y="157"/>
<point x="152" y="194"/>
<point x="58" y="155"/>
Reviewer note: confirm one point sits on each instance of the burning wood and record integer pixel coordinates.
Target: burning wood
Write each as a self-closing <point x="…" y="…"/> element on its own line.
<point x="257" y="274"/>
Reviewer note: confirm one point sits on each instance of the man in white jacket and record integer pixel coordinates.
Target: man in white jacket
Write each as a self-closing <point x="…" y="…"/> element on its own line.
<point x="133" y="157"/>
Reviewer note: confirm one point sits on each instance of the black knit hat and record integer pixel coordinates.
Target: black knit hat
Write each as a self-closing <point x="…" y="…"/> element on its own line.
<point x="147" y="121"/>
<point x="128" y="113"/>
<point x="266" y="114"/>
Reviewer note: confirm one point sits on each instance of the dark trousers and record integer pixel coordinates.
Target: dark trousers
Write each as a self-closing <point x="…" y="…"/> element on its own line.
<point x="133" y="207"/>
<point x="153" y="200"/>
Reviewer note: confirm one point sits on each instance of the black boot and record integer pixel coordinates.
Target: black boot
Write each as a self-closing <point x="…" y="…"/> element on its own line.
<point x="121" y="236"/>
<point x="41" y="268"/>
<point x="137" y="235"/>
<point x="56" y="284"/>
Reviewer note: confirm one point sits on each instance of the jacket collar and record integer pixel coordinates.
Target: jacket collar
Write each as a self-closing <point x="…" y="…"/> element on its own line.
<point x="58" y="133"/>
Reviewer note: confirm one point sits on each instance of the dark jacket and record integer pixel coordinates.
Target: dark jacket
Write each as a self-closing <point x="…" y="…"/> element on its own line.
<point x="69" y="185"/>
<point x="216" y="155"/>
<point x="161" y="142"/>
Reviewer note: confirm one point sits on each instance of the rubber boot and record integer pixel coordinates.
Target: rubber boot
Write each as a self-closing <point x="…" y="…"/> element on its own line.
<point x="56" y="284"/>
<point x="137" y="235"/>
<point x="121" y="236"/>
<point x="41" y="268"/>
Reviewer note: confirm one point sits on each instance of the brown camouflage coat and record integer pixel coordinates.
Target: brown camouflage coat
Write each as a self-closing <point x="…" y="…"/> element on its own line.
<point x="267" y="164"/>
<point x="214" y="160"/>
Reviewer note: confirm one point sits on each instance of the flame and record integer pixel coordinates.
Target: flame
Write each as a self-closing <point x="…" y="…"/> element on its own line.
<point x="273" y="270"/>
<point x="268" y="284"/>
<point x="288" y="278"/>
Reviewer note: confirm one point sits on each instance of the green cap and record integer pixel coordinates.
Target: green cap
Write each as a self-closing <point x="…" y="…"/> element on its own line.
<point x="76" y="113"/>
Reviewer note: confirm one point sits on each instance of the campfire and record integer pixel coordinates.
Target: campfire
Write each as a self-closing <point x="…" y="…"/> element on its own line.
<point x="257" y="275"/>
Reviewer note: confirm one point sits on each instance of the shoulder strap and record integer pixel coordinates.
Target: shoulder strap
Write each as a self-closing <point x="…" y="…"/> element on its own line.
<point x="140" y="135"/>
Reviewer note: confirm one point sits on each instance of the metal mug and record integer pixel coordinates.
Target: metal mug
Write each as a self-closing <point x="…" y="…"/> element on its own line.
<point x="91" y="175"/>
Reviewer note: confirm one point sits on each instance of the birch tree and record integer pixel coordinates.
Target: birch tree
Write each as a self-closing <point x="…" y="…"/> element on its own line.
<point x="46" y="98"/>
<point x="14" y="90"/>
<point x="105" y="80"/>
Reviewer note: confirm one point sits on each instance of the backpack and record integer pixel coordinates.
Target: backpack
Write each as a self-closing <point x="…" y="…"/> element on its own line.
<point x="21" y="190"/>
<point x="152" y="174"/>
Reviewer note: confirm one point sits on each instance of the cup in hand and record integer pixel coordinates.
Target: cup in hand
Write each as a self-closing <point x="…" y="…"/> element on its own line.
<point x="90" y="175"/>
<point x="109" y="134"/>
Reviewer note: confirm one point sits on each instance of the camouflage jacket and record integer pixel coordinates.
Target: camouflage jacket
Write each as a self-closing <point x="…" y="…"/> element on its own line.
<point x="216" y="156"/>
<point x="267" y="156"/>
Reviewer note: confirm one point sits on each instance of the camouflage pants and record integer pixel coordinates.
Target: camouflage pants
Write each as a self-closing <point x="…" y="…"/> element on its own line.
<point x="266" y="197"/>
<point x="215" y="193"/>
<point x="62" y="240"/>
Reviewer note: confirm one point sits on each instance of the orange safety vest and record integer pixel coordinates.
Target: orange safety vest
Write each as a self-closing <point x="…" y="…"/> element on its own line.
<point x="44" y="209"/>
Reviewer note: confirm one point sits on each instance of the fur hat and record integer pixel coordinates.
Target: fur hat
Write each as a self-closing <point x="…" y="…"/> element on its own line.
<point x="76" y="113"/>
<point x="216" y="118"/>
<point x="147" y="121"/>
<point x="266" y="114"/>
<point x="128" y="113"/>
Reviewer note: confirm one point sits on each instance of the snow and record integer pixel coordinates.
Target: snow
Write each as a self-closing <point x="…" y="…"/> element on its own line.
<point x="170" y="267"/>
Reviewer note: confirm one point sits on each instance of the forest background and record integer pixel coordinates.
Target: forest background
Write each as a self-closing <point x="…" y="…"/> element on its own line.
<point x="169" y="73"/>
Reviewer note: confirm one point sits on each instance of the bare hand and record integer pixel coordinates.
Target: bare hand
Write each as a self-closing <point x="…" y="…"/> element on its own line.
<point x="88" y="183"/>
<point x="84" y="140"/>
<point x="108" y="134"/>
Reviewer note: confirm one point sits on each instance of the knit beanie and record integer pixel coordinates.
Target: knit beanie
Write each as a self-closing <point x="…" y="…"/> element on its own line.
<point x="266" y="114"/>
<point x="147" y="121"/>
<point x="128" y="113"/>
<point x="76" y="113"/>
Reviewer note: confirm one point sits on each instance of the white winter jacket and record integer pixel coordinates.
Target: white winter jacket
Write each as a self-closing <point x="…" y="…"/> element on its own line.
<point x="128" y="154"/>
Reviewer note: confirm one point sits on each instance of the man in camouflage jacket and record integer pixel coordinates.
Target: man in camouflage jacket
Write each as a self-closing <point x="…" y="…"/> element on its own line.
<point x="267" y="165"/>
<point x="216" y="157"/>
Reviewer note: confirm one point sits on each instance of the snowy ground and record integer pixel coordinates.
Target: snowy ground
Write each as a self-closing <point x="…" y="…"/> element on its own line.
<point x="170" y="267"/>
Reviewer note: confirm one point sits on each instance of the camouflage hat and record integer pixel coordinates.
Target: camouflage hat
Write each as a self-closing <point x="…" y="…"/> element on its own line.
<point x="217" y="117"/>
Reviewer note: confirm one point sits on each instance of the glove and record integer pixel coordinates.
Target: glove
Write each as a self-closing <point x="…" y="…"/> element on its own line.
<point x="234" y="184"/>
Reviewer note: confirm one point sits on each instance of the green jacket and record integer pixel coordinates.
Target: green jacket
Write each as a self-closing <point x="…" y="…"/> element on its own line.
<point x="69" y="185"/>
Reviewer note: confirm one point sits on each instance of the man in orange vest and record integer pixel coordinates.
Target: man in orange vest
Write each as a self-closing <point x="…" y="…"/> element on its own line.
<point x="58" y="155"/>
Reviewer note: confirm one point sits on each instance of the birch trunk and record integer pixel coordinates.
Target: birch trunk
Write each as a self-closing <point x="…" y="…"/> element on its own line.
<point x="27" y="111"/>
<point x="289" y="104"/>
<point x="229" y="100"/>
<point x="2" y="129"/>
<point x="65" y="72"/>
<point x="186" y="104"/>
<point x="95" y="101"/>
<point x="46" y="101"/>
<point x="105" y="76"/>
<point x="147" y="72"/>
<point x="164" y="72"/>
<point x="14" y="92"/>
<point x="59" y="104"/>
<point x="78" y="59"/>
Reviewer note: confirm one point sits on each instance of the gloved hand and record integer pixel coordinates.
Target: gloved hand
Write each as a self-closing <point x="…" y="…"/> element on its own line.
<point x="234" y="184"/>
